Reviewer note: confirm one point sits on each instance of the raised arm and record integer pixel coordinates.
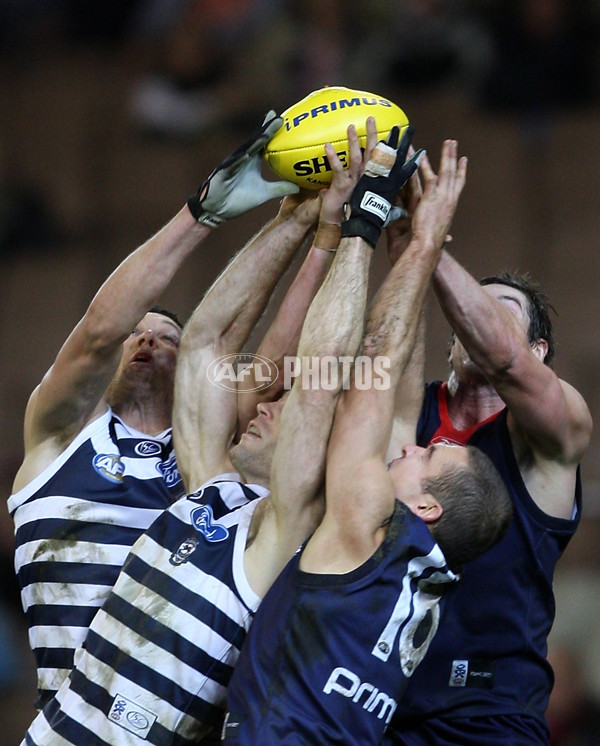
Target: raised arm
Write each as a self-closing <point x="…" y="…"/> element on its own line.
<point x="551" y="413"/>
<point x="331" y="334"/>
<point x="332" y="330"/>
<point x="549" y="421"/>
<point x="360" y="495"/>
<point x="410" y="389"/>
<point x="205" y="414"/>
<point x="281" y="339"/>
<point x="71" y="392"/>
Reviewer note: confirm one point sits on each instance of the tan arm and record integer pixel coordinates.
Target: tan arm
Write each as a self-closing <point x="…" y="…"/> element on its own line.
<point x="205" y="415"/>
<point x="332" y="329"/>
<point x="71" y="392"/>
<point x="359" y="493"/>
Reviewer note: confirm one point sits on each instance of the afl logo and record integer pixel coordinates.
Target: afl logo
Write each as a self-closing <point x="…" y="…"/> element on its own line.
<point x="227" y="371"/>
<point x="137" y="720"/>
<point x="109" y="466"/>
<point x="147" y="448"/>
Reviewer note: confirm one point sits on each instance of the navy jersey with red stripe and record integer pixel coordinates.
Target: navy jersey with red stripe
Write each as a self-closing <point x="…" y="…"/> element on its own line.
<point x="328" y="656"/>
<point x="489" y="656"/>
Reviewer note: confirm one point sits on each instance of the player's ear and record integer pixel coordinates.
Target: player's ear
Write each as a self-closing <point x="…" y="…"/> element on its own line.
<point x="428" y="508"/>
<point x="540" y="349"/>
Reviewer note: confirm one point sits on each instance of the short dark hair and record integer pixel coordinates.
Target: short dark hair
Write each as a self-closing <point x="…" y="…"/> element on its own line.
<point x="168" y="314"/>
<point x="477" y="508"/>
<point x="540" y="323"/>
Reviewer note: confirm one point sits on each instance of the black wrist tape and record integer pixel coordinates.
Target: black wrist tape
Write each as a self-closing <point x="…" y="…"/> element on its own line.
<point x="363" y="228"/>
<point x="194" y="206"/>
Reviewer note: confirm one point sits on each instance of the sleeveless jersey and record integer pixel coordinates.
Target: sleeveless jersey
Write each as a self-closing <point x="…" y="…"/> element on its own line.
<point x="159" y="654"/>
<point x="74" y="525"/>
<point x="489" y="657"/>
<point x="328" y="656"/>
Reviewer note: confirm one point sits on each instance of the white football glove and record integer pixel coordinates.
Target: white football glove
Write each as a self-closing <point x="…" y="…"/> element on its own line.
<point x="237" y="185"/>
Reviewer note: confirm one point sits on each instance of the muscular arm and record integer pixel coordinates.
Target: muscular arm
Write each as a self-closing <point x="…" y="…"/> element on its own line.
<point x="282" y="336"/>
<point x="205" y="415"/>
<point x="409" y="396"/>
<point x="332" y="328"/>
<point x="410" y="388"/>
<point x="70" y="394"/>
<point x="549" y="420"/>
<point x="359" y="491"/>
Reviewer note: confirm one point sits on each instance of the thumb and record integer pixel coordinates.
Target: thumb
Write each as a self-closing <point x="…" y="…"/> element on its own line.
<point x="280" y="188"/>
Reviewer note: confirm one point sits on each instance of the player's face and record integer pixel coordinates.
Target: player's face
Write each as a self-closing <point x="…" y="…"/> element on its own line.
<point x="154" y="341"/>
<point x="515" y="301"/>
<point x="150" y="353"/>
<point x="417" y="464"/>
<point x="253" y="454"/>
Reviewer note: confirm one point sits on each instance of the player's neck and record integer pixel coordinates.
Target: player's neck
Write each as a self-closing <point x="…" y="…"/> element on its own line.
<point x="471" y="403"/>
<point x="150" y="420"/>
<point x="249" y="477"/>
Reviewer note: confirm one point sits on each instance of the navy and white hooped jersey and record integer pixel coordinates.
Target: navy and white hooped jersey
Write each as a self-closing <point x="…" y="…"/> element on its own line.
<point x="74" y="525"/>
<point x="489" y="657"/>
<point x="328" y="656"/>
<point x="159" y="654"/>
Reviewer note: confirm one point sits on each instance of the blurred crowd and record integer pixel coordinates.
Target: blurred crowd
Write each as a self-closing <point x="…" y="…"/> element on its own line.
<point x="202" y="62"/>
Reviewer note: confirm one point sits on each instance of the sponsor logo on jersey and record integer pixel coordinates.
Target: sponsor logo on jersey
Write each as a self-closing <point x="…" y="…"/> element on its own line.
<point x="447" y="441"/>
<point x="348" y="684"/>
<point x="109" y="466"/>
<point x="147" y="448"/>
<point x="169" y="471"/>
<point x="203" y="521"/>
<point x="472" y="673"/>
<point x="183" y="551"/>
<point x="131" y="716"/>
<point x="458" y="675"/>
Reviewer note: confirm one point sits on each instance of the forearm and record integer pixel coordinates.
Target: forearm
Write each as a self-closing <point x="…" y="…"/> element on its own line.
<point x="283" y="335"/>
<point x="487" y="330"/>
<point x="233" y="304"/>
<point x="409" y="396"/>
<point x="140" y="280"/>
<point x="396" y="312"/>
<point x="335" y="320"/>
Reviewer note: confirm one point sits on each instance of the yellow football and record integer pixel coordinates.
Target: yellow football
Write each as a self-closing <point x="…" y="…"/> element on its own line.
<point x="296" y="152"/>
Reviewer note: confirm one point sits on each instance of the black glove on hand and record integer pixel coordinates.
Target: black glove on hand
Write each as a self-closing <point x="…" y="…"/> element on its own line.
<point x="236" y="185"/>
<point x="370" y="207"/>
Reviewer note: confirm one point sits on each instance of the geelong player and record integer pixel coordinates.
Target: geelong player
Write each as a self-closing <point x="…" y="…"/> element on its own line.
<point x="98" y="465"/>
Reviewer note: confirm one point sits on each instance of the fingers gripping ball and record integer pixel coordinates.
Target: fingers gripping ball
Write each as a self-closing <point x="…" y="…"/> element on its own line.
<point x="296" y="152"/>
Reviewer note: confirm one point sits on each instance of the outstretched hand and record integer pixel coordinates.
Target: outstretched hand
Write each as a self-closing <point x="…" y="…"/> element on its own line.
<point x="237" y="185"/>
<point x="371" y="207"/>
<point x="433" y="216"/>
